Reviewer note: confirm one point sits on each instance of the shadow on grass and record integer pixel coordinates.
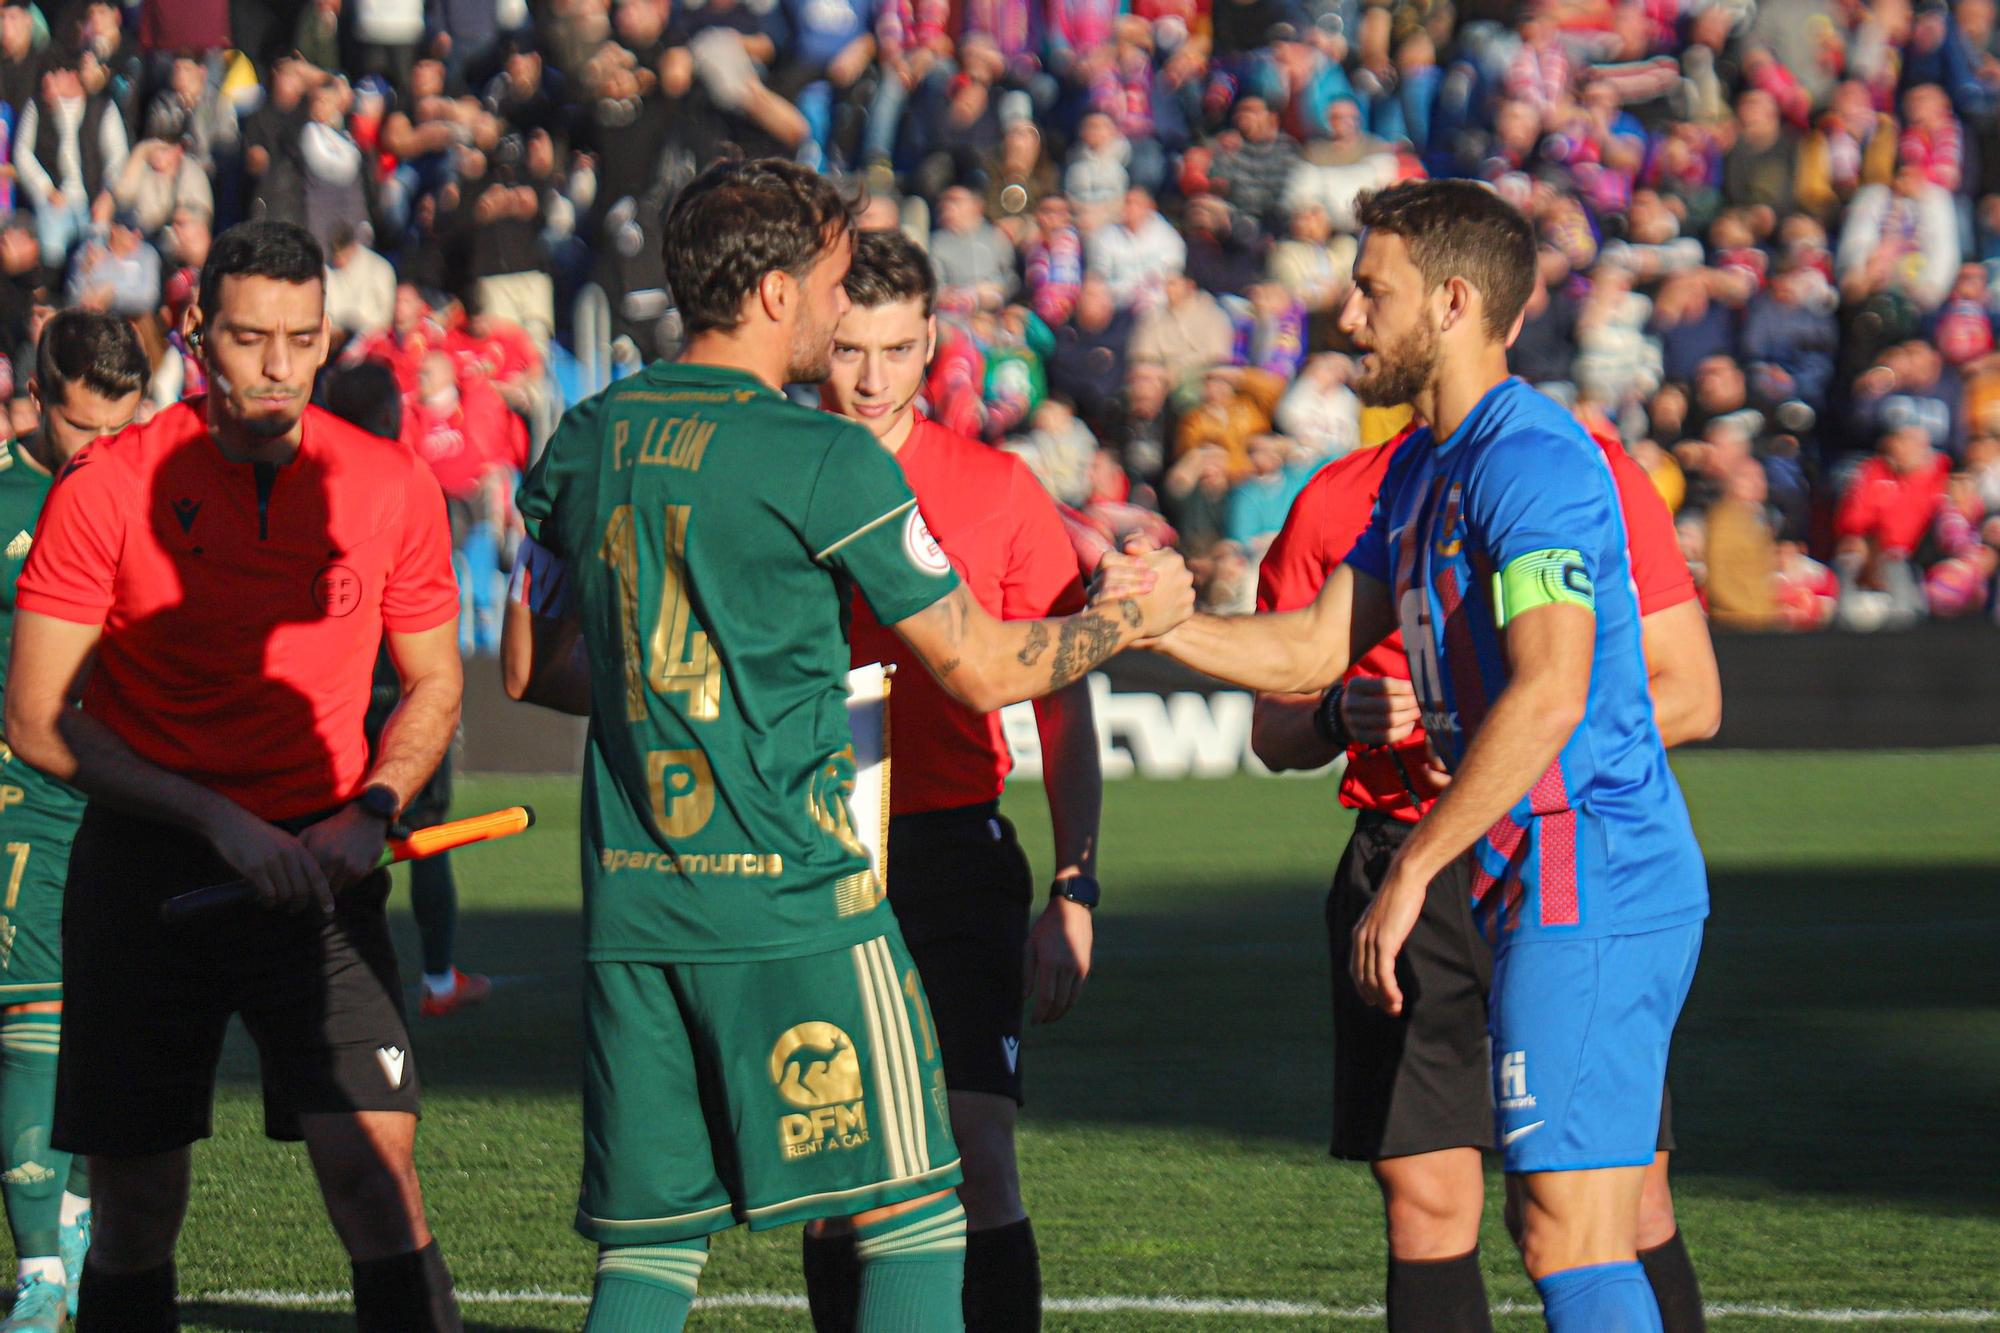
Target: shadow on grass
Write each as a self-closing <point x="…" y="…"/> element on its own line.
<point x="1843" y="1036"/>
<point x="263" y="1319"/>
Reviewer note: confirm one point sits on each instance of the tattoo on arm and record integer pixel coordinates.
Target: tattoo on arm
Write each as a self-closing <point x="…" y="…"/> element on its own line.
<point x="1037" y="644"/>
<point x="946" y="667"/>
<point x="1084" y="641"/>
<point x="1129" y="609"/>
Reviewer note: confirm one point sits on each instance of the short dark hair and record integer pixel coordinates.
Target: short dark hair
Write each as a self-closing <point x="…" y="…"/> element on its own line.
<point x="366" y="395"/>
<point x="738" y="221"/>
<point x="263" y="249"/>
<point x="1460" y="229"/>
<point x="888" y="267"/>
<point x="93" y="348"/>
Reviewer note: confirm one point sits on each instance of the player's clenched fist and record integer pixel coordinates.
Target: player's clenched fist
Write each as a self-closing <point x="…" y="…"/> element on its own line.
<point x="282" y="869"/>
<point x="1379" y="710"/>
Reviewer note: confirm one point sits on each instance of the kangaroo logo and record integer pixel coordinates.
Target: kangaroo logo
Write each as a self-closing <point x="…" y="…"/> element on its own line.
<point x="814" y="1064"/>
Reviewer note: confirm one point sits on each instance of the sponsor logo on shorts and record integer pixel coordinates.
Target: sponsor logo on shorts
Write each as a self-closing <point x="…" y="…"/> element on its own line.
<point x="921" y="547"/>
<point x="814" y="1067"/>
<point x="391" y="1060"/>
<point x="1510" y="1091"/>
<point x="1513" y="1136"/>
<point x="1010" y="1048"/>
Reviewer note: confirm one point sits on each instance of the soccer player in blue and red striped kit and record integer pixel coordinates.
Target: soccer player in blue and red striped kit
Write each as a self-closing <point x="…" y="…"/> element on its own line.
<point x="1498" y="547"/>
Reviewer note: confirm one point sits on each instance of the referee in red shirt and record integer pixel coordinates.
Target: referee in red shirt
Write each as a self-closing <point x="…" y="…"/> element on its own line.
<point x="1410" y="1093"/>
<point x="218" y="581"/>
<point x="960" y="884"/>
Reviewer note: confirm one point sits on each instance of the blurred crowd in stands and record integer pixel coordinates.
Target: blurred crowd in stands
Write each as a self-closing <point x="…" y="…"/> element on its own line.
<point x="1770" y="233"/>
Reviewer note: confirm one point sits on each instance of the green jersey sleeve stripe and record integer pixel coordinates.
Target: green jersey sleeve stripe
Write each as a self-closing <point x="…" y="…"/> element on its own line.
<point x="869" y="527"/>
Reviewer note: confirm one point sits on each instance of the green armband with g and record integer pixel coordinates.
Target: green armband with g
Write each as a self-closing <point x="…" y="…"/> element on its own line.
<point x="1542" y="578"/>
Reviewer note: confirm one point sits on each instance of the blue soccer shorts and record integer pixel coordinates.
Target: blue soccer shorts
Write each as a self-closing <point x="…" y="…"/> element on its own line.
<point x="1580" y="1033"/>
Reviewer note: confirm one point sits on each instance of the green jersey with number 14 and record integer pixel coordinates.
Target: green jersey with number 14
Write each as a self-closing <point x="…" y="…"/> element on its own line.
<point x="713" y="532"/>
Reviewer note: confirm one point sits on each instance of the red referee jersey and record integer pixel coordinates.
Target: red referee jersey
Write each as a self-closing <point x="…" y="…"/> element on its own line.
<point x="1330" y="515"/>
<point x="240" y="635"/>
<point x="1003" y="535"/>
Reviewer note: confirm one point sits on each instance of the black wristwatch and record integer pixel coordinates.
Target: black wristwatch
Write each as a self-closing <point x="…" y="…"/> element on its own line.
<point x="381" y="802"/>
<point x="1079" y="889"/>
<point x="1328" y="722"/>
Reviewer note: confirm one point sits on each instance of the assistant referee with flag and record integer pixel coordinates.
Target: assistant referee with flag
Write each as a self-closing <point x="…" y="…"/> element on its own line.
<point x="223" y="577"/>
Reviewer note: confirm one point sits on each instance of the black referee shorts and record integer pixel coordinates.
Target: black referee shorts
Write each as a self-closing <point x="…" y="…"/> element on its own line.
<point x="1420" y="1082"/>
<point x="146" y="1003"/>
<point x="961" y="889"/>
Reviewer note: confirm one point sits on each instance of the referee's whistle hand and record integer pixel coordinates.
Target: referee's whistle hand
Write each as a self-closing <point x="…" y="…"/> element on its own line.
<point x="284" y="872"/>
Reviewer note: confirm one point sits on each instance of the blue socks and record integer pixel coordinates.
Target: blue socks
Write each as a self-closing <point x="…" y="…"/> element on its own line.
<point x="1601" y="1298"/>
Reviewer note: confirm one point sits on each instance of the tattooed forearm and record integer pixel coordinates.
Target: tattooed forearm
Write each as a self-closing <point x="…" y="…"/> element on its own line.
<point x="1084" y="640"/>
<point x="1037" y="644"/>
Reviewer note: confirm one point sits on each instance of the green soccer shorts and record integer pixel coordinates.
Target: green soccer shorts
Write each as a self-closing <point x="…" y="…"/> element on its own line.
<point x="37" y="823"/>
<point x="764" y="1092"/>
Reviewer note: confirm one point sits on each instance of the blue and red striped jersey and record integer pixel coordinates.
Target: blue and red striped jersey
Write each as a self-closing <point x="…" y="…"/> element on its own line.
<point x="1600" y="844"/>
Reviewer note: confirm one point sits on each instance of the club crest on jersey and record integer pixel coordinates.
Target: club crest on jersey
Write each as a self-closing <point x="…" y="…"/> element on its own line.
<point x="921" y="547"/>
<point x="1451" y="532"/>
<point x="814" y="1067"/>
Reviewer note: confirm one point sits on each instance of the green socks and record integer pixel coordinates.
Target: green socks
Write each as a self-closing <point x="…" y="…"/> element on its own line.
<point x="913" y="1270"/>
<point x="34" y="1174"/>
<point x="646" y="1288"/>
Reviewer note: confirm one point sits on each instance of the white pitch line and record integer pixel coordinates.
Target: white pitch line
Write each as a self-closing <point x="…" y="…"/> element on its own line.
<point x="1166" y="1305"/>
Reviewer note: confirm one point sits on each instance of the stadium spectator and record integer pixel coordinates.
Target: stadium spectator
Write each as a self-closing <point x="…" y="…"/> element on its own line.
<point x="120" y="273"/>
<point x="273" y="157"/>
<point x="1258" y="504"/>
<point x="1236" y="406"/>
<point x="1135" y="254"/>
<point x="69" y="147"/>
<point x="1319" y="411"/>
<point x="1089" y="364"/>
<point x="1313" y="265"/>
<point x="1189" y="334"/>
<point x="1885" y="515"/>
<point x="974" y="260"/>
<point x="1252" y="167"/>
<point x="360" y="286"/>
<point x="1334" y="171"/>
<point x="19" y="74"/>
<point x="159" y="177"/>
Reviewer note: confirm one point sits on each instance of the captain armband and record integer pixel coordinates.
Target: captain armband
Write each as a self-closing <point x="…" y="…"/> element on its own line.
<point x="541" y="580"/>
<point x="1542" y="578"/>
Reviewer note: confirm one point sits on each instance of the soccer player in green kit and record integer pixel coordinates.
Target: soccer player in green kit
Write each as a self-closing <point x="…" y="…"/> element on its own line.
<point x="90" y="373"/>
<point x="757" y="1045"/>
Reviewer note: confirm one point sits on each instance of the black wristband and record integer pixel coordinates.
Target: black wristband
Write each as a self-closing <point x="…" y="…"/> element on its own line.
<point x="1327" y="722"/>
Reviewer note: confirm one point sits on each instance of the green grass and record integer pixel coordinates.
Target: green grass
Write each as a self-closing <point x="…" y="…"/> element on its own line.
<point x="1836" y="1077"/>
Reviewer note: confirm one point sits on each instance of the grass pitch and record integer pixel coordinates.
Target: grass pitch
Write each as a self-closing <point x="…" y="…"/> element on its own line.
<point x="1836" y="1076"/>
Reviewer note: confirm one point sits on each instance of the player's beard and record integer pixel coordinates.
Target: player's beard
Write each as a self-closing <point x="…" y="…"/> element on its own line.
<point x="1403" y="369"/>
<point x="812" y="353"/>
